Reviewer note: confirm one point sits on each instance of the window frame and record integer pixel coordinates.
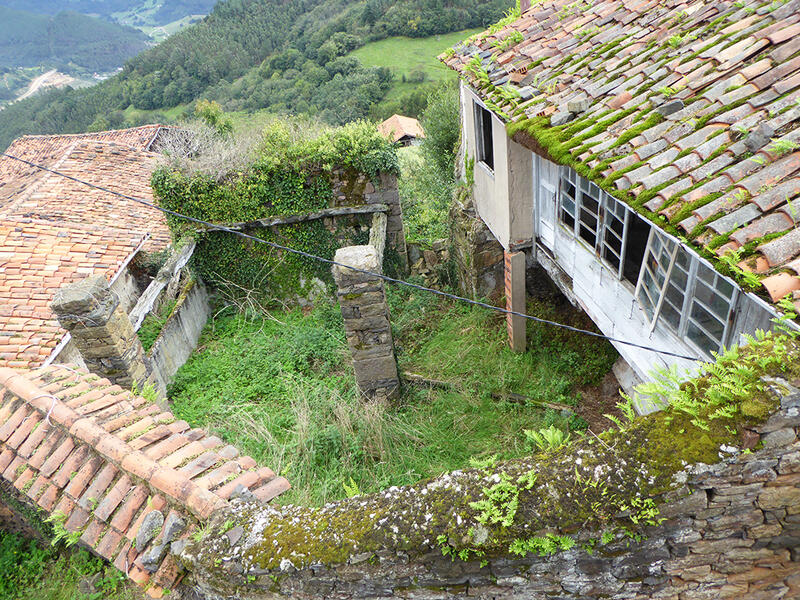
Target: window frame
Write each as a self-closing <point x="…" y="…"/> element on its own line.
<point x="608" y="208"/>
<point x="484" y="136"/>
<point x="677" y="268"/>
<point x="691" y="301"/>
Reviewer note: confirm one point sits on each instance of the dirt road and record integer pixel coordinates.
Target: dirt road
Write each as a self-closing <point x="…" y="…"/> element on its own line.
<point x="50" y="79"/>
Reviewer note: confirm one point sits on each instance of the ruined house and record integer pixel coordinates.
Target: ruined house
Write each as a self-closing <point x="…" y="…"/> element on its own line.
<point x="646" y="155"/>
<point x="114" y="470"/>
<point x="54" y="231"/>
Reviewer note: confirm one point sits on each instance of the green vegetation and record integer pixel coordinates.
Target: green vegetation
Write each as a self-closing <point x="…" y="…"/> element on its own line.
<point x="13" y="82"/>
<point x="68" y="41"/>
<point x="597" y="490"/>
<point x="255" y="54"/>
<point x="284" y="172"/>
<point x="280" y="387"/>
<point x="415" y="69"/>
<point x="153" y="324"/>
<point x="30" y="571"/>
<point x="428" y="181"/>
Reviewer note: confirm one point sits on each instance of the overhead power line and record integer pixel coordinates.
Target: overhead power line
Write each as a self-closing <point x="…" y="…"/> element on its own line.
<point x="216" y="227"/>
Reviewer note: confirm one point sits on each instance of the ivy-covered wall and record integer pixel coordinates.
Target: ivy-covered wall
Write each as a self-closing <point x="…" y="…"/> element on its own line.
<point x="700" y="500"/>
<point x="349" y="166"/>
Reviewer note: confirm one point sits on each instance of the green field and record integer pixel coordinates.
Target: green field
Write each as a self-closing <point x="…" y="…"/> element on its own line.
<point x="407" y="56"/>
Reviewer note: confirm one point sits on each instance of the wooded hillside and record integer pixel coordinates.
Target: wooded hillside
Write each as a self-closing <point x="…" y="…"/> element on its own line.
<point x="286" y="54"/>
<point x="65" y="41"/>
<point x="169" y="10"/>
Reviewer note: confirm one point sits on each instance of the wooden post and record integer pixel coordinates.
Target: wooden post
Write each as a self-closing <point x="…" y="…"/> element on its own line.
<point x="515" y="299"/>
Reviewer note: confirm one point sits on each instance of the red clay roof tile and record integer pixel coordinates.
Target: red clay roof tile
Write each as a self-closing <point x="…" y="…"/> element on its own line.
<point x="103" y="485"/>
<point x="54" y="231"/>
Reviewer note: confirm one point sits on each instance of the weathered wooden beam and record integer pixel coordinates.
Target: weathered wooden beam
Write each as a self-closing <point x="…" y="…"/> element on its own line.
<point x="420" y="380"/>
<point x="339" y="211"/>
<point x="148" y="299"/>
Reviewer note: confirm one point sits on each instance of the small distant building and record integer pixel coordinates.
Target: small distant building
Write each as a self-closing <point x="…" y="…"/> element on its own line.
<point x="403" y="130"/>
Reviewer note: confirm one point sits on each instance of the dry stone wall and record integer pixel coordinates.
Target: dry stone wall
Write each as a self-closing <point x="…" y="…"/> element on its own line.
<point x="355" y="189"/>
<point x="477" y="253"/>
<point x="366" y="321"/>
<point x="731" y="530"/>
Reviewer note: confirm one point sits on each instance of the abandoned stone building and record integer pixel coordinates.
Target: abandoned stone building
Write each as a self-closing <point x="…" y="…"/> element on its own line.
<point x="627" y="149"/>
<point x="687" y="107"/>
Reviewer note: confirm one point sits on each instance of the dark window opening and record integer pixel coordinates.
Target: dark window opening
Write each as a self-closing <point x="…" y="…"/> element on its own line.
<point x="483" y="130"/>
<point x="613" y="232"/>
<point x="568" y="195"/>
<point x="590" y="213"/>
<point x="635" y="246"/>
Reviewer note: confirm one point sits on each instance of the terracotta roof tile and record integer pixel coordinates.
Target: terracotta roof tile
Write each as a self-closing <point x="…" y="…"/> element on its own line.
<point x="98" y="477"/>
<point x="54" y="231"/>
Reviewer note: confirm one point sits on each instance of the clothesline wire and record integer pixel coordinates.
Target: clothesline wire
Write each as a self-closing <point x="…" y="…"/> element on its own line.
<point x="217" y="227"/>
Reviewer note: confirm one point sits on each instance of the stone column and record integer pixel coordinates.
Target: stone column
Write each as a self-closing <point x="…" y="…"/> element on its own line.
<point x="515" y="299"/>
<point x="366" y="322"/>
<point x="101" y="331"/>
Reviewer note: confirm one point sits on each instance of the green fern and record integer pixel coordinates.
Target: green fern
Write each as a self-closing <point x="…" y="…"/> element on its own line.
<point x="351" y="489"/>
<point x="548" y="438"/>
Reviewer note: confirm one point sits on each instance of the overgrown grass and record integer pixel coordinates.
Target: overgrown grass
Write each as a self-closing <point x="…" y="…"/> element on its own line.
<point x="280" y="387"/>
<point x="153" y="324"/>
<point x="31" y="571"/>
<point x="425" y="196"/>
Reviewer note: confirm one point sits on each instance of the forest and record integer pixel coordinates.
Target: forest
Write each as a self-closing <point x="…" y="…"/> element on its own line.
<point x="169" y="10"/>
<point x="66" y="41"/>
<point x="285" y="56"/>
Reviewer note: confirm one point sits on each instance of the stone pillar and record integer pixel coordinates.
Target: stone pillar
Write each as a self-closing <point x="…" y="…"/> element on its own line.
<point x="101" y="331"/>
<point x="366" y="322"/>
<point x="515" y="299"/>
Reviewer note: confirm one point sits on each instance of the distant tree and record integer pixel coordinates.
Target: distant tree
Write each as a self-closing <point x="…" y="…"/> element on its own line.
<point x="372" y="12"/>
<point x="441" y="124"/>
<point x="210" y="112"/>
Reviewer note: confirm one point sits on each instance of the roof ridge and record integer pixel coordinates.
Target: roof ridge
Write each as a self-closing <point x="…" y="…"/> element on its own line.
<point x="35" y="136"/>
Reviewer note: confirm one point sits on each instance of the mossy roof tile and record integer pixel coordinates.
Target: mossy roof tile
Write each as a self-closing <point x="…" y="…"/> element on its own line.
<point x="735" y="66"/>
<point x="101" y="484"/>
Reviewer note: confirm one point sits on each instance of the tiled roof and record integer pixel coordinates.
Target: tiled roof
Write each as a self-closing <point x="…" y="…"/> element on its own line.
<point x="48" y="150"/>
<point x="54" y="231"/>
<point x="397" y="127"/>
<point x="686" y="109"/>
<point x="38" y="257"/>
<point x="103" y="458"/>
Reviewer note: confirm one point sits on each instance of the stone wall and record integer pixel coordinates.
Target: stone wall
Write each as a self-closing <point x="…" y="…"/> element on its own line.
<point x="366" y="321"/>
<point x="179" y="335"/>
<point x="101" y="330"/>
<point x="354" y="189"/>
<point x="727" y="530"/>
<point x="477" y="253"/>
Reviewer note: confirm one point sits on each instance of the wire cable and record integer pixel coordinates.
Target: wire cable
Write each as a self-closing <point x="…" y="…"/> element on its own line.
<point x="217" y="227"/>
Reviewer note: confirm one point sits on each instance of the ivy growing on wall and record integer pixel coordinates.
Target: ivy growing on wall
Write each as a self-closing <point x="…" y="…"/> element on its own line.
<point x="290" y="172"/>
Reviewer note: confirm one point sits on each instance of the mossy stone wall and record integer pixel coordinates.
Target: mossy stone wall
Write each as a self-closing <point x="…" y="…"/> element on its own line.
<point x="235" y="263"/>
<point x="727" y="524"/>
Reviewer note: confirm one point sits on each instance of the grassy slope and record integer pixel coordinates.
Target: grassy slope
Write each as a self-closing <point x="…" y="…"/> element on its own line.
<point x="282" y="390"/>
<point x="404" y="55"/>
